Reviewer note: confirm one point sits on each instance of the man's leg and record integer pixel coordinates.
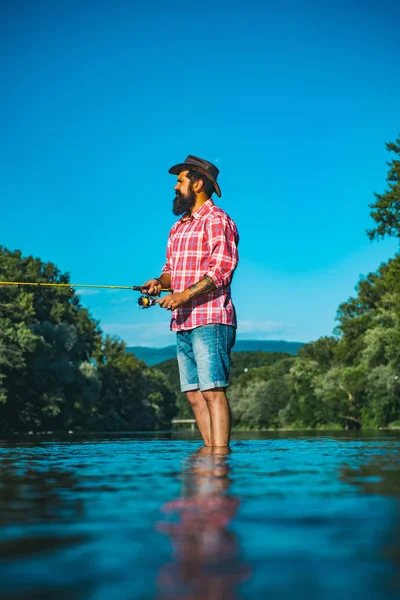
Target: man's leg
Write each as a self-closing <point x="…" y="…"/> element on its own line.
<point x="212" y="345"/>
<point x="220" y="416"/>
<point x="201" y="414"/>
<point x="190" y="384"/>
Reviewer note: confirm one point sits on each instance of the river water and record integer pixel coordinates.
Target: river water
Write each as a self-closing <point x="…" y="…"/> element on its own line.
<point x="292" y="515"/>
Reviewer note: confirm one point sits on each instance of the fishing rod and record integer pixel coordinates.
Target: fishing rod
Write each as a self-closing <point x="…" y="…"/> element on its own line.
<point x="145" y="301"/>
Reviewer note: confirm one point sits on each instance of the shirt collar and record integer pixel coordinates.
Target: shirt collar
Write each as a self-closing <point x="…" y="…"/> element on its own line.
<point x="200" y="212"/>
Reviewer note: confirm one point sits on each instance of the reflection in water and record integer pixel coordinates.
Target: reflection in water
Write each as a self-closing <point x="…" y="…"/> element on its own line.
<point x="317" y="519"/>
<point x="207" y="563"/>
<point x="381" y="476"/>
<point x="30" y="495"/>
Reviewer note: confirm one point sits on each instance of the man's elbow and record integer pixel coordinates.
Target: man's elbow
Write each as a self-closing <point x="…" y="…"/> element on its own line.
<point x="221" y="278"/>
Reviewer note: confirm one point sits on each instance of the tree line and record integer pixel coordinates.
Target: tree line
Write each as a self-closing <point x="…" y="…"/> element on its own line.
<point x="59" y="371"/>
<point x="352" y="378"/>
<point x="348" y="380"/>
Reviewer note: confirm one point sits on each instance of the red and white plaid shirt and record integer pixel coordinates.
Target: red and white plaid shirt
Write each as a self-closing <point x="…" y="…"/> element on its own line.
<point x="203" y="244"/>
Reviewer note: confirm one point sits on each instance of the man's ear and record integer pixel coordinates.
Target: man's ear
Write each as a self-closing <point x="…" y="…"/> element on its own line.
<point x="198" y="186"/>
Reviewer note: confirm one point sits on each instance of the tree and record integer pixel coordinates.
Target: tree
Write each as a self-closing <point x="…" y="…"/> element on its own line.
<point x="57" y="371"/>
<point x="358" y="315"/>
<point x="342" y="392"/>
<point x="304" y="408"/>
<point x="383" y="393"/>
<point x="258" y="396"/>
<point x="46" y="335"/>
<point x="322" y="351"/>
<point x="386" y="209"/>
<point x="132" y="396"/>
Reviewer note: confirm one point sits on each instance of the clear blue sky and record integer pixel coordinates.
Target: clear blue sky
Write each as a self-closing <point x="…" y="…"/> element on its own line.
<point x="294" y="102"/>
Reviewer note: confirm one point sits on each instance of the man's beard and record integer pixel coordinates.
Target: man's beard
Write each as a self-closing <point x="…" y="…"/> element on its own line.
<point x="183" y="204"/>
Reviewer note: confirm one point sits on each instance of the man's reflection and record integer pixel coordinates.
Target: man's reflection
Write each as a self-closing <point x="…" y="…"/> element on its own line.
<point x="206" y="563"/>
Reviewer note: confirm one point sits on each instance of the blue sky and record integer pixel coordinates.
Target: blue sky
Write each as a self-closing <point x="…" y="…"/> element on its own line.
<point x="294" y="103"/>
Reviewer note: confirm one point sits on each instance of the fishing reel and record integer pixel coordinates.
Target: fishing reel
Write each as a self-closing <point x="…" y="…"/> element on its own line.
<point x="145" y="301"/>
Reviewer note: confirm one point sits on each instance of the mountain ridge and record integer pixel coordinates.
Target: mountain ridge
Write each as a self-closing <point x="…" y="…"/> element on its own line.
<point x="154" y="356"/>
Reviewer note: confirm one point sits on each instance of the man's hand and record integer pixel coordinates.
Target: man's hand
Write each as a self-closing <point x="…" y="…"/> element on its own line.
<point x="152" y="287"/>
<point x="173" y="301"/>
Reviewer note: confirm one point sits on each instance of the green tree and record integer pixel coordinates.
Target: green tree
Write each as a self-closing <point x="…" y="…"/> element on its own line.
<point x="304" y="408"/>
<point x="341" y="391"/>
<point x="133" y="396"/>
<point x="258" y="396"/>
<point x="45" y="337"/>
<point x="56" y="369"/>
<point x="322" y="351"/>
<point x="383" y="394"/>
<point x="386" y="209"/>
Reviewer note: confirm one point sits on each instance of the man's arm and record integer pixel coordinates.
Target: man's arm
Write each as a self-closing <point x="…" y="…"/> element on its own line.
<point x="204" y="286"/>
<point x="155" y="285"/>
<point x="165" y="280"/>
<point x="223" y="240"/>
<point x="173" y="301"/>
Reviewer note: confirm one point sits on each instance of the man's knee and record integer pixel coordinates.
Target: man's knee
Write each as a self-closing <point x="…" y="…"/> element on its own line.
<point x="194" y="397"/>
<point x="214" y="394"/>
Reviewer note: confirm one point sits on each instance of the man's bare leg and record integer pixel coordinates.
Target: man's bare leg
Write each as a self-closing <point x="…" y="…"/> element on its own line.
<point x="201" y="414"/>
<point x="220" y="416"/>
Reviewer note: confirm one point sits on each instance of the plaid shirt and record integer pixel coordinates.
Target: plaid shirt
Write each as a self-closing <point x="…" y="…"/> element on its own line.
<point x="203" y="244"/>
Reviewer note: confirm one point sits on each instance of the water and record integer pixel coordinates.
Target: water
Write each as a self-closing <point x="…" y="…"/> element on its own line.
<point x="155" y="517"/>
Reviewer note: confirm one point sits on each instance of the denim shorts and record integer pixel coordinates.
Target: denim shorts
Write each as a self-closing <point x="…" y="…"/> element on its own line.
<point x="204" y="356"/>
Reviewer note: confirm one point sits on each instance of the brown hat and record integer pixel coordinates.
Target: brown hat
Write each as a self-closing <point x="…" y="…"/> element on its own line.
<point x="194" y="163"/>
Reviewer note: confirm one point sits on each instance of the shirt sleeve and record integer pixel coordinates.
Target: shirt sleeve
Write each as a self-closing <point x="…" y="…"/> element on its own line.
<point x="223" y="242"/>
<point x="167" y="268"/>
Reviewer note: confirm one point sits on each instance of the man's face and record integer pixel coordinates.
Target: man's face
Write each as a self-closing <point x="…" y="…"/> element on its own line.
<point x="185" y="197"/>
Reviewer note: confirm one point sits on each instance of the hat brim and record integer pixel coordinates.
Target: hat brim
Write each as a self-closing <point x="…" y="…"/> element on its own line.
<point x="176" y="169"/>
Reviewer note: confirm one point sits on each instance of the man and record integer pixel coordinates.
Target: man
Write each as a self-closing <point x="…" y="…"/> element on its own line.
<point x="201" y="259"/>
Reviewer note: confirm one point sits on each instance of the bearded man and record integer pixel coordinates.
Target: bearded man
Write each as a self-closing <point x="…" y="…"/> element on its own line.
<point x="202" y="256"/>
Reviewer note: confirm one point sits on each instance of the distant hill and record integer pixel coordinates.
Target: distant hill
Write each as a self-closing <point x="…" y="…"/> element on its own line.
<point x="241" y="361"/>
<point x="154" y="356"/>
